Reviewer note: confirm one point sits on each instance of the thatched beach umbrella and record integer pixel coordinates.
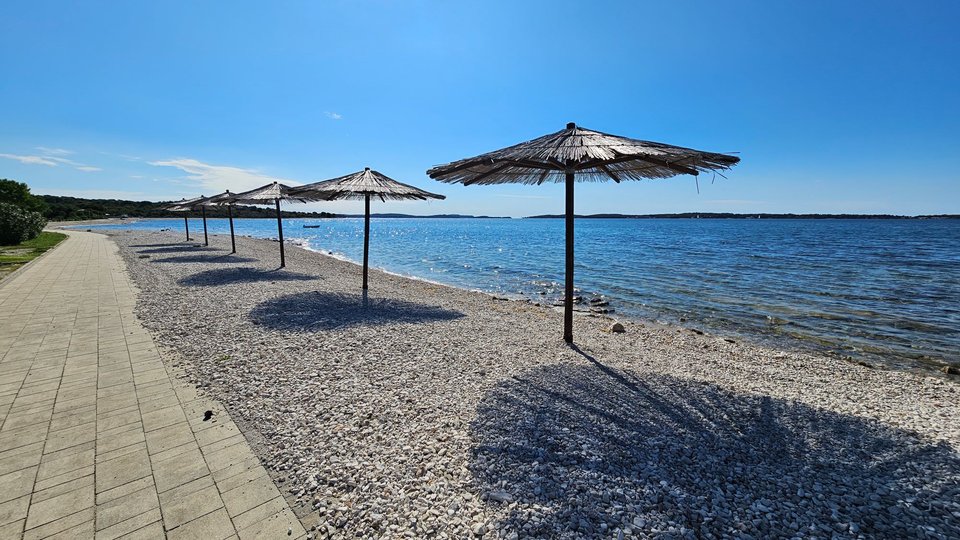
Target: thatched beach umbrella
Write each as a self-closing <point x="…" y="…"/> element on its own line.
<point x="193" y="204"/>
<point x="574" y="154"/>
<point x="363" y="185"/>
<point x="224" y="199"/>
<point x="185" y="205"/>
<point x="270" y="193"/>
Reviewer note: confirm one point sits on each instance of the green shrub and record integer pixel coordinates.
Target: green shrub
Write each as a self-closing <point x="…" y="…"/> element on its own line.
<point x="19" y="225"/>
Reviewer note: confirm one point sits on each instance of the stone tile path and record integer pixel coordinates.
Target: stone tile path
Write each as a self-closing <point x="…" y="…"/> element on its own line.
<point x="97" y="438"/>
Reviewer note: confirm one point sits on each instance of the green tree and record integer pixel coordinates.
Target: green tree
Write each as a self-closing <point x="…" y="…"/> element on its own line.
<point x="18" y="194"/>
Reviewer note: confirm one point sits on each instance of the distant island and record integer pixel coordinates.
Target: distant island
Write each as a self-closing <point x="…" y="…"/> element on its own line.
<point x="727" y="215"/>
<point x="432" y="216"/>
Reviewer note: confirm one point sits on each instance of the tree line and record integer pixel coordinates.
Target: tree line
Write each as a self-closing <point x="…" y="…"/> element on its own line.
<point x="58" y="208"/>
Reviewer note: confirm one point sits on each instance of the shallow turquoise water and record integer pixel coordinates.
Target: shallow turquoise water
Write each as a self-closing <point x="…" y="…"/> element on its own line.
<point x="882" y="289"/>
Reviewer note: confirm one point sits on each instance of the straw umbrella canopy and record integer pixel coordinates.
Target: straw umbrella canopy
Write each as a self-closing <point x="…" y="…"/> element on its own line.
<point x="184" y="205"/>
<point x="193" y="204"/>
<point x="224" y="199"/>
<point x="572" y="154"/>
<point x="270" y="193"/>
<point x="363" y="185"/>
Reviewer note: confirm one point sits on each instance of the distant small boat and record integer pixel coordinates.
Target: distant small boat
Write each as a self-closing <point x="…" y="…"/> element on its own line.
<point x="311" y="226"/>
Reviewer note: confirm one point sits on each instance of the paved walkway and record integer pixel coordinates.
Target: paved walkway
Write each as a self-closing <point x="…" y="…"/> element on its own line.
<point x="97" y="438"/>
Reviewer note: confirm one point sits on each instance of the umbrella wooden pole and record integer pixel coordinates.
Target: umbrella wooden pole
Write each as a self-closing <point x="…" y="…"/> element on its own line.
<point x="568" y="274"/>
<point x="186" y="227"/>
<point x="233" y="243"/>
<point x="283" y="261"/>
<point x="203" y="212"/>
<point x="366" y="237"/>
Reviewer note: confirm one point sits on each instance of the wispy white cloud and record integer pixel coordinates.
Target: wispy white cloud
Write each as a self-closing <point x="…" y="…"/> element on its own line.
<point x="220" y="177"/>
<point x="30" y="160"/>
<point x="333" y="115"/>
<point x="137" y="176"/>
<point x="51" y="157"/>
<point x="54" y="151"/>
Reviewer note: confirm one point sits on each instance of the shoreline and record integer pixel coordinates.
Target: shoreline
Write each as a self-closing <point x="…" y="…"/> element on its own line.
<point x="854" y="353"/>
<point x="470" y="415"/>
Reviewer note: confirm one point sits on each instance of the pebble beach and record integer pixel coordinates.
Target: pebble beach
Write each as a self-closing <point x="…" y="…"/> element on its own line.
<point x="425" y="411"/>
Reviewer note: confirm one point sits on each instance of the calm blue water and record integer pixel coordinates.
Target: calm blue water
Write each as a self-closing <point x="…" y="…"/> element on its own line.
<point x="887" y="289"/>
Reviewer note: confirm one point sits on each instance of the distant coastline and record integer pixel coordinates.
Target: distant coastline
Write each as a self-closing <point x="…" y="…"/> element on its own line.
<point x="727" y="215"/>
<point x="79" y="209"/>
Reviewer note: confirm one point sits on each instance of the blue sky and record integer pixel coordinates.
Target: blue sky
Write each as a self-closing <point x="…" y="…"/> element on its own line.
<point x="833" y="106"/>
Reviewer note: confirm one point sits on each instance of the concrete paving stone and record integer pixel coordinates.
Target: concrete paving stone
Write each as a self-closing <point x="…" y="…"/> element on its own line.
<point x="275" y="526"/>
<point x="71" y="436"/>
<point x="69" y="404"/>
<point x="164" y="417"/>
<point x="20" y="437"/>
<point x="107" y="392"/>
<point x="120" y="440"/>
<point x="150" y="532"/>
<point x="235" y="468"/>
<point x="249" y="495"/>
<point x="180" y="508"/>
<point x="126" y="507"/>
<point x="58" y="463"/>
<point x="17" y="484"/>
<point x="132" y="525"/>
<point x="217" y="434"/>
<point x="225" y="457"/>
<point x="155" y="388"/>
<point x="21" y="457"/>
<point x="169" y="437"/>
<point x="175" y="452"/>
<point x="25" y="398"/>
<point x="157" y="402"/>
<point x="124" y="469"/>
<point x="15" y="529"/>
<point x="65" y="523"/>
<point x="118" y="421"/>
<point x="69" y="451"/>
<point x="60" y="489"/>
<point x="173" y="473"/>
<point x="125" y="489"/>
<point x="80" y="532"/>
<point x="126" y="400"/>
<point x="149" y="379"/>
<point x="63" y="478"/>
<point x="83" y="415"/>
<point x="60" y="506"/>
<point x="213" y="526"/>
<point x="114" y="454"/>
<point x="51" y="385"/>
<point x="31" y="418"/>
<point x="259" y="513"/>
<point x="130" y="410"/>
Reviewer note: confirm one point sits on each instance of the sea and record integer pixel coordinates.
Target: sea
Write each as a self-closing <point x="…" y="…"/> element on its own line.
<point x="881" y="291"/>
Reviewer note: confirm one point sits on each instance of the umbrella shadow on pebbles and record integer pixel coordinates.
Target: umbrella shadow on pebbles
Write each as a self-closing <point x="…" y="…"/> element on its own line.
<point x="204" y="259"/>
<point x="161" y="244"/>
<point x="324" y="311"/>
<point x="224" y="276"/>
<point x="596" y="449"/>
<point x="177" y="249"/>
